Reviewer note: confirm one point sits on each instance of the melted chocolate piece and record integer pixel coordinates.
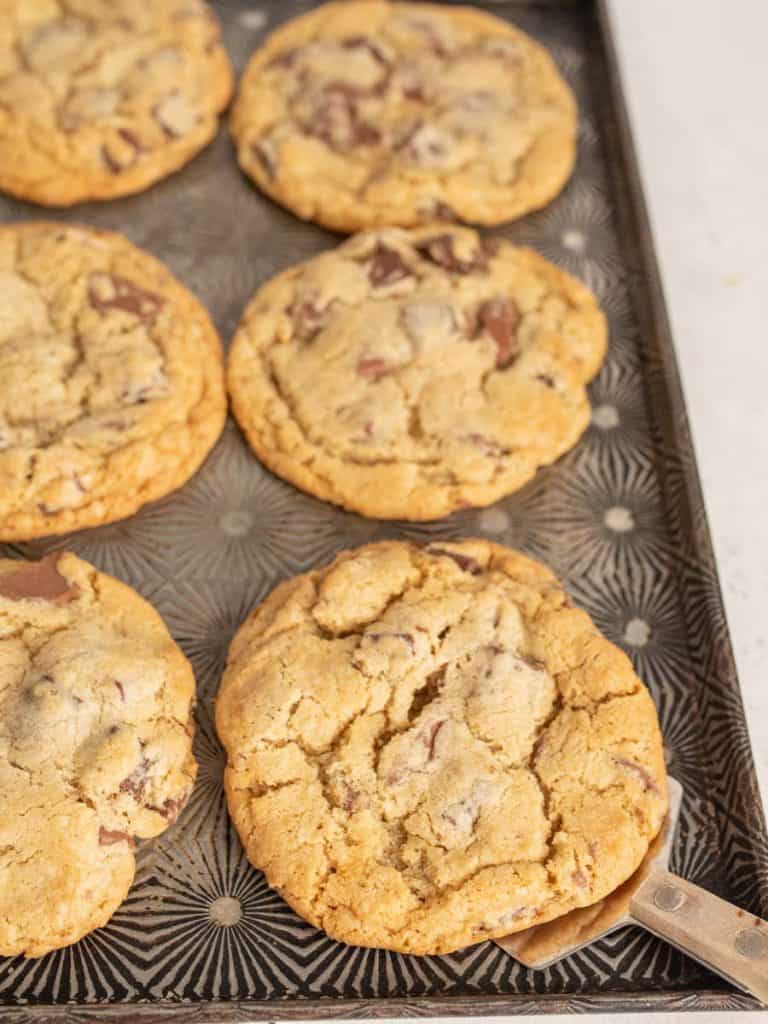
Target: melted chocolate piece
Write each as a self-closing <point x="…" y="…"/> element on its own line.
<point x="387" y="266"/>
<point x="546" y="380"/>
<point x="531" y="662"/>
<point x="464" y="562"/>
<point x="405" y="637"/>
<point x="429" y="737"/>
<point x="649" y="783"/>
<point x="345" y="89"/>
<point x="366" y="43"/>
<point x="130" y="138"/>
<point x="108" y="838"/>
<point x="337" y="122"/>
<point x="489" y="445"/>
<point x="415" y="92"/>
<point x="490" y="246"/>
<point x="116" y="163"/>
<point x="352" y="799"/>
<point x="110" y="161"/>
<point x="108" y="291"/>
<point x="39" y="581"/>
<point x="170" y="808"/>
<point x="265" y="158"/>
<point x="286" y="59"/>
<point x="136" y="782"/>
<point x="439" y="249"/>
<point x="500" y="317"/>
<point x="308" y="318"/>
<point x="373" y="368"/>
<point x="365" y="134"/>
<point x="442" y="211"/>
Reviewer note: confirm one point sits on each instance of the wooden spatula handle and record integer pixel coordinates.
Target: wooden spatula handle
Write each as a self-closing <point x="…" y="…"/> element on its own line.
<point x="731" y="942"/>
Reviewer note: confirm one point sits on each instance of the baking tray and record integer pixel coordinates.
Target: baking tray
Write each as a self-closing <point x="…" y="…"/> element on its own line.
<point x="620" y="518"/>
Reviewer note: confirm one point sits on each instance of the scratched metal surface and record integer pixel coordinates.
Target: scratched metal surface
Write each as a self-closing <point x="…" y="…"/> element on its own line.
<point x="620" y="519"/>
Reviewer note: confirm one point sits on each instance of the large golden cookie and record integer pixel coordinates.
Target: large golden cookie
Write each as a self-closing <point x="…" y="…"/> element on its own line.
<point x="428" y="747"/>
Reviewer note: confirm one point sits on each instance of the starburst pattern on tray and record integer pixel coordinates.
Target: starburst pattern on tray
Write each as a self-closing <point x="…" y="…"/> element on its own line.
<point x="215" y="927"/>
<point x="578" y="234"/>
<point x="206" y="802"/>
<point x="608" y="517"/>
<point x="236" y="520"/>
<point x="641" y="613"/>
<point x="619" y="414"/>
<point x="203" y="616"/>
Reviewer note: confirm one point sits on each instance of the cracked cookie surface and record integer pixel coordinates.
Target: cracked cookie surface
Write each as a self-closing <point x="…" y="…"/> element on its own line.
<point x="95" y="746"/>
<point x="102" y="98"/>
<point x="406" y="374"/>
<point x="361" y="114"/>
<point x="429" y="747"/>
<point x="111" y="381"/>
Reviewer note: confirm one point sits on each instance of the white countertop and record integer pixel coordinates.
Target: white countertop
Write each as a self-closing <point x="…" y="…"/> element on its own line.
<point x="695" y="79"/>
<point x="696" y="83"/>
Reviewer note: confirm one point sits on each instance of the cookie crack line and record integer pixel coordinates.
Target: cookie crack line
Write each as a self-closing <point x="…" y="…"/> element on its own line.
<point x="322" y="445"/>
<point x="81" y="361"/>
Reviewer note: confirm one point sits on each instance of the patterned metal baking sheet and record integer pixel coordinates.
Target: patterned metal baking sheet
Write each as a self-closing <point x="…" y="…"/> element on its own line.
<point x="620" y="518"/>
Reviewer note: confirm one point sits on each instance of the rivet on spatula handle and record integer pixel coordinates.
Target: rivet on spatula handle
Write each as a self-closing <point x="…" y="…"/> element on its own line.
<point x="730" y="941"/>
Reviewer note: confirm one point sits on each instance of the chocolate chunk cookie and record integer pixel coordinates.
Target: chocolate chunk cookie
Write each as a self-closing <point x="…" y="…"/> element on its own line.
<point x="101" y="98"/>
<point x="428" y="747"/>
<point x="361" y="114"/>
<point x="95" y="746"/>
<point x="410" y="373"/>
<point x="111" y="384"/>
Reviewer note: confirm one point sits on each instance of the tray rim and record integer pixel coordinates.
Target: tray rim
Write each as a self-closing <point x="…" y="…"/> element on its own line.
<point x="243" y="1011"/>
<point x="636" y="1000"/>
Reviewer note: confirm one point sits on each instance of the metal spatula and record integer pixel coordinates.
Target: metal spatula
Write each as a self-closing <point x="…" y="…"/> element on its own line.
<point x="729" y="941"/>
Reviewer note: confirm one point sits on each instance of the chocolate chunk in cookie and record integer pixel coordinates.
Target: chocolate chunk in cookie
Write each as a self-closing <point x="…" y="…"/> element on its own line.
<point x="37" y="581"/>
